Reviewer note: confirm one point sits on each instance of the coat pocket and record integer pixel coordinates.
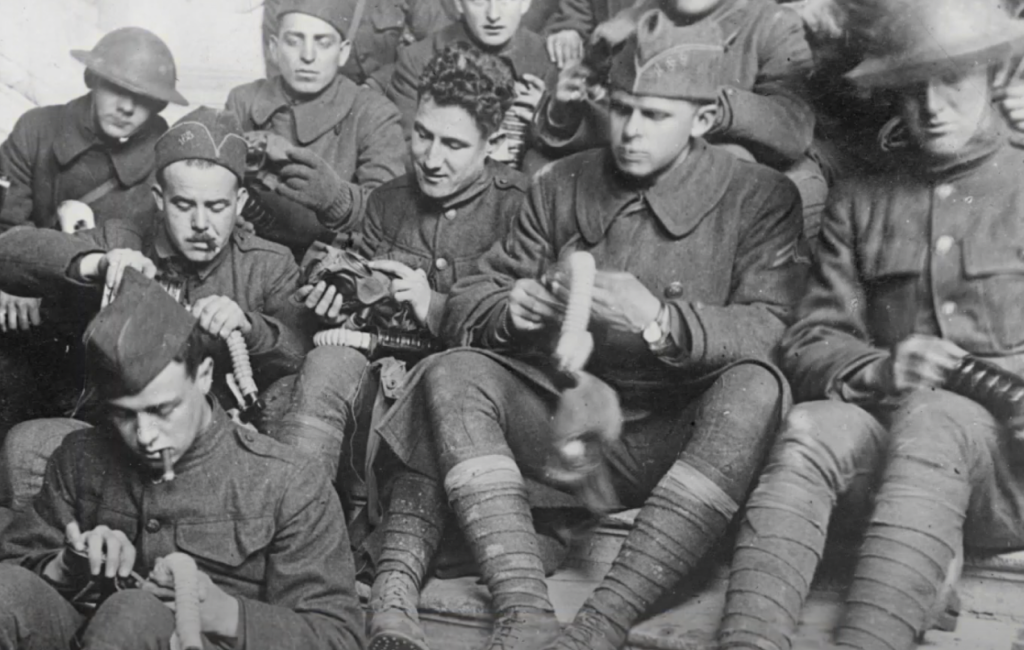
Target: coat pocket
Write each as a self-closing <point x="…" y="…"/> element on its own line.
<point x="892" y="283"/>
<point x="235" y="548"/>
<point x="995" y="276"/>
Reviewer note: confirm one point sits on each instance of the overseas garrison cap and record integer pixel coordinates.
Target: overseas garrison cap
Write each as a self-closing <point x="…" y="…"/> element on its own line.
<point x="205" y="134"/>
<point x="133" y="338"/>
<point x="337" y="13"/>
<point x="665" y="60"/>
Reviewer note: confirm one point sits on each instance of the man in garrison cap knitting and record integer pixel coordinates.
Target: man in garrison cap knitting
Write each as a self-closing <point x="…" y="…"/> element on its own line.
<point x="169" y="471"/>
<point x="698" y="265"/>
<point x="232" y="280"/>
<point x="918" y="268"/>
<point x="326" y="141"/>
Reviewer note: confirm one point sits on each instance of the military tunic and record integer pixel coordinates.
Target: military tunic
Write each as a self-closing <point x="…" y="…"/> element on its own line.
<point x="55" y="154"/>
<point x="258" y="517"/>
<point x="716" y="238"/>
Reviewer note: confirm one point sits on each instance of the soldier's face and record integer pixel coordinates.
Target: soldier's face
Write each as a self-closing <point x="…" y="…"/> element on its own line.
<point x="649" y="134"/>
<point x="493" y="23"/>
<point x="448" y="149"/>
<point x="309" y="52"/>
<point x="944" y="112"/>
<point x="168" y="414"/>
<point x="118" y="112"/>
<point x="200" y="206"/>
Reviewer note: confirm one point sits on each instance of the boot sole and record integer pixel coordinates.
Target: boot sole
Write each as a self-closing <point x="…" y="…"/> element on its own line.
<point x="395" y="641"/>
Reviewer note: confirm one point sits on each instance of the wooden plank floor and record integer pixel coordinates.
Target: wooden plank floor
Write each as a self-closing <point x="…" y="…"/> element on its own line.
<point x="456" y="612"/>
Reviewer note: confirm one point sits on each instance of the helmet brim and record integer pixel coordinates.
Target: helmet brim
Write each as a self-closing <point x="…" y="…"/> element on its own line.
<point x="101" y="69"/>
<point x="906" y="68"/>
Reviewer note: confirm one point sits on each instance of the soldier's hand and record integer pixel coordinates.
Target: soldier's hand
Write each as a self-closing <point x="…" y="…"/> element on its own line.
<point x="565" y="48"/>
<point x="918" y="361"/>
<point x="218" y="611"/>
<point x="309" y="180"/>
<point x="324" y="300"/>
<point x="18" y="313"/>
<point x="109" y="551"/>
<point x="109" y="268"/>
<point x="220" y="315"/>
<point x="620" y="300"/>
<point x="572" y="84"/>
<point x="1011" y="101"/>
<point x="531" y="306"/>
<point x="408" y="285"/>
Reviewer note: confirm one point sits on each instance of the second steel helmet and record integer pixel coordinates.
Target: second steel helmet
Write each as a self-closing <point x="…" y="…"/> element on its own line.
<point x="137" y="60"/>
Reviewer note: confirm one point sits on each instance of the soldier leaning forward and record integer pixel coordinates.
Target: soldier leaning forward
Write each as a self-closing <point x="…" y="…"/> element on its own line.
<point x="698" y="258"/>
<point x="169" y="473"/>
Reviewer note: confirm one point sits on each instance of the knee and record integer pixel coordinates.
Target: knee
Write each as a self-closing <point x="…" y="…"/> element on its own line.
<point x="26" y="450"/>
<point x="15" y="584"/>
<point x="935" y="419"/>
<point x="754" y="386"/>
<point x="822" y="439"/>
<point x="460" y="374"/>
<point x="130" y="619"/>
<point x="334" y="363"/>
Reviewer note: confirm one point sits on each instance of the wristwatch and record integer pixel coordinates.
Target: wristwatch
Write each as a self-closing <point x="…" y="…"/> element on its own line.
<point x="657" y="334"/>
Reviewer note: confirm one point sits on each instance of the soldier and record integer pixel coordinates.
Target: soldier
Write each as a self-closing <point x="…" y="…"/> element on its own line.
<point x="233" y="280"/>
<point x="762" y="109"/>
<point x="698" y="267"/>
<point x="572" y="25"/>
<point x="328" y="142"/>
<point x="97" y="150"/>
<point x="492" y="26"/>
<point x="918" y="267"/>
<point x="427" y="229"/>
<point x="260" y="520"/>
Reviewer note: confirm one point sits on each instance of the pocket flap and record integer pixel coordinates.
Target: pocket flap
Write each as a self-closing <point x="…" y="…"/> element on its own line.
<point x="987" y="258"/>
<point x="225" y="542"/>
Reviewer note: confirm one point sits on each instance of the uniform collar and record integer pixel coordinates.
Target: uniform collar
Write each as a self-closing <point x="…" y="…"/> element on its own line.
<point x="312" y="118"/>
<point x="207" y="441"/>
<point x="680" y="198"/>
<point x="524" y="52"/>
<point x="133" y="160"/>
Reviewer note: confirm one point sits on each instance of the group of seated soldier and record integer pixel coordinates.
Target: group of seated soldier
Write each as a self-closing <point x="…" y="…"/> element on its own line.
<point x="393" y="251"/>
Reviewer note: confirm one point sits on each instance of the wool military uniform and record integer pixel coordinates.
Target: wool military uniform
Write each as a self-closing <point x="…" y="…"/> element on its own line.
<point x="930" y="250"/>
<point x="258" y="518"/>
<point x="55" y="154"/>
<point x="333" y="397"/>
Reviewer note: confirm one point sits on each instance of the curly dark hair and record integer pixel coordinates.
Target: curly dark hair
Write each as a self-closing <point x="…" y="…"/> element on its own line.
<point x="478" y="82"/>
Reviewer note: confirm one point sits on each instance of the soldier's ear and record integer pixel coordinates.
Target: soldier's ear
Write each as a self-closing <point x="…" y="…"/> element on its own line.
<point x="460" y="7"/>
<point x="241" y="197"/>
<point x="704" y="119"/>
<point x="158" y="196"/>
<point x="274" y="48"/>
<point x="204" y="375"/>
<point x="344" y="52"/>
<point x="524" y="6"/>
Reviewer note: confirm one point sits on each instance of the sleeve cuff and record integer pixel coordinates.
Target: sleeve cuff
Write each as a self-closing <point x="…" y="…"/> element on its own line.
<point x="560" y="120"/>
<point x="74" y="270"/>
<point x="339" y="212"/>
<point x="435" y="312"/>
<point x="261" y="336"/>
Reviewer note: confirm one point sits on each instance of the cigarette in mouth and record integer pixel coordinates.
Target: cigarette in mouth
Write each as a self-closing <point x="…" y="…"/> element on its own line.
<point x="165" y="455"/>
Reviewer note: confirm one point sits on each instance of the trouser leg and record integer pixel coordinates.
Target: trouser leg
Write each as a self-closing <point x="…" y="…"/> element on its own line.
<point x="825" y="449"/>
<point x="413" y="526"/>
<point x="331" y="400"/>
<point x="476" y="404"/>
<point x="689" y="508"/>
<point x="33" y="616"/>
<point x="940" y="450"/>
<point x="23" y="457"/>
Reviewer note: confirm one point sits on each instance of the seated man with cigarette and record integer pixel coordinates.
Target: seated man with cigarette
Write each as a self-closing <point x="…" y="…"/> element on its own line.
<point x="233" y="280"/>
<point x="168" y="472"/>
